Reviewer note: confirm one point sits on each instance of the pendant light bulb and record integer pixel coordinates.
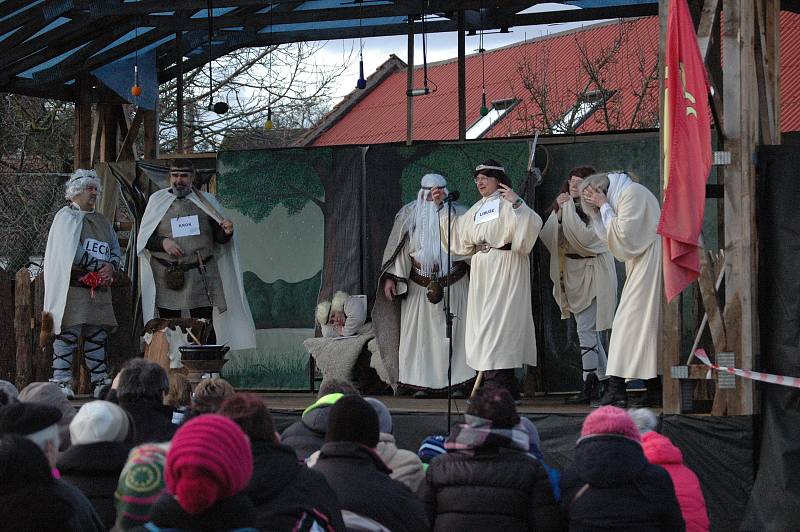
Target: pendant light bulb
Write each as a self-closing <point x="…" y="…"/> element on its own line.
<point x="361" y="83"/>
<point x="484" y="109"/>
<point x="268" y="124"/>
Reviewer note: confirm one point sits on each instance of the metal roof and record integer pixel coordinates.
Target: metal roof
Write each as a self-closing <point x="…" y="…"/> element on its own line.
<point x="49" y="45"/>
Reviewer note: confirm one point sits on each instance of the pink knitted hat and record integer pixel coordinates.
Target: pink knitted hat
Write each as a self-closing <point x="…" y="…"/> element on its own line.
<point x="610" y="420"/>
<point x="209" y="459"/>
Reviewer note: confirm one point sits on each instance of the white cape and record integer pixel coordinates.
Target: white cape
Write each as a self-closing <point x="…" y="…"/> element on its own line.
<point x="62" y="243"/>
<point x="234" y="326"/>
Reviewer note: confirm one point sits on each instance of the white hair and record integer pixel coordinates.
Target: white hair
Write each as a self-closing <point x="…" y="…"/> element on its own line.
<point x="323" y="312"/>
<point x="78" y="182"/>
<point x="47" y="434"/>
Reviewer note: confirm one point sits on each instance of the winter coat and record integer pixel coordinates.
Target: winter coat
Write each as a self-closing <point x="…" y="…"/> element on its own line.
<point x="233" y="513"/>
<point x="152" y="422"/>
<point x="52" y="507"/>
<point x="94" y="469"/>
<point x="610" y="485"/>
<point x="362" y="483"/>
<point x="405" y="465"/>
<point x="285" y="491"/>
<point x="660" y="450"/>
<point x="493" y="488"/>
<point x="308" y="435"/>
<point x="83" y="516"/>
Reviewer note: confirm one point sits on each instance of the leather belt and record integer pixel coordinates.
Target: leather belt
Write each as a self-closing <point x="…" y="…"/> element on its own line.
<point x="183" y="267"/>
<point x="485" y="248"/>
<point x="575" y="256"/>
<point x="458" y="271"/>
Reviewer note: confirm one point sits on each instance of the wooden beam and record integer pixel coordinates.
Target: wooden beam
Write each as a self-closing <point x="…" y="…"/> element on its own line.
<point x="462" y="78"/>
<point x="708" y="18"/>
<point x="126" y="151"/>
<point x="97" y="134"/>
<point x="110" y="138"/>
<point x="83" y="128"/>
<point x="765" y="57"/>
<point x="23" y="318"/>
<point x="151" y="134"/>
<point x="708" y="291"/>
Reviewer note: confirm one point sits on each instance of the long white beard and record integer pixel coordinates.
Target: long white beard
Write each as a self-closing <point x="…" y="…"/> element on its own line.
<point x="425" y="236"/>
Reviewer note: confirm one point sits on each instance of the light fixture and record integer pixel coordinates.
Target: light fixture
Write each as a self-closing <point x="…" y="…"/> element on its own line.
<point x="220" y="107"/>
<point x="361" y="84"/>
<point x="484" y="109"/>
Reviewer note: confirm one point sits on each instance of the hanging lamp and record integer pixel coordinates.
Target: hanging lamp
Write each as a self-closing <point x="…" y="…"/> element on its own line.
<point x="136" y="89"/>
<point x="268" y="124"/>
<point x="220" y="107"/>
<point x="361" y="84"/>
<point x="484" y="108"/>
<point x="426" y="89"/>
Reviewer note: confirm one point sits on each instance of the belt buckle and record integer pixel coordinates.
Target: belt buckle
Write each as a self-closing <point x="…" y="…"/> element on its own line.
<point x="483" y="247"/>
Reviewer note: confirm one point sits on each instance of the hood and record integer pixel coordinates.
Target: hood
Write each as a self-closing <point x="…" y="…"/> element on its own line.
<point x="608" y="460"/>
<point x="274" y="467"/>
<point x="352" y="450"/>
<point x="386" y="448"/>
<point x="660" y="450"/>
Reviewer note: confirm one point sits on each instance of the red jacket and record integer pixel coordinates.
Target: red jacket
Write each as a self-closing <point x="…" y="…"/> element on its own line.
<point x="660" y="450"/>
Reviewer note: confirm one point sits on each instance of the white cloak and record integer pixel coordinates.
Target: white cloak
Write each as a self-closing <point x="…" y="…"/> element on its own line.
<point x="62" y="242"/>
<point x="235" y="326"/>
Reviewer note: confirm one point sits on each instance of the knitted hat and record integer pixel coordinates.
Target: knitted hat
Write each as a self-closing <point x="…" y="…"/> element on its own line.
<point x="384" y="416"/>
<point x="353" y="419"/>
<point x="209" y="459"/>
<point x="610" y="420"/>
<point x="27" y="418"/>
<point x="431" y="447"/>
<point x="99" y="421"/>
<point x="140" y="485"/>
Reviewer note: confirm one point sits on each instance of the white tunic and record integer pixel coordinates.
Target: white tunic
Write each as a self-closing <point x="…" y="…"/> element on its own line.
<point x="500" y="332"/>
<point x="584" y="280"/>
<point x="632" y="238"/>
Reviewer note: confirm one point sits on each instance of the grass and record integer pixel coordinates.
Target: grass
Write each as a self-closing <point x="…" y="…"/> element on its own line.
<point x="278" y="362"/>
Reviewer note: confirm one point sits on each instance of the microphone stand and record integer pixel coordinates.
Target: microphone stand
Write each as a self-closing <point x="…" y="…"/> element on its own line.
<point x="448" y="317"/>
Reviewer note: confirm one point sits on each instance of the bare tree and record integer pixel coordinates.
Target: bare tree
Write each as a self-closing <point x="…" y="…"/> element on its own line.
<point x="35" y="134"/>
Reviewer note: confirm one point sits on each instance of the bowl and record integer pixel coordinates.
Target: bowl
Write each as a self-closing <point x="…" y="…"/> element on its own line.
<point x="203" y="352"/>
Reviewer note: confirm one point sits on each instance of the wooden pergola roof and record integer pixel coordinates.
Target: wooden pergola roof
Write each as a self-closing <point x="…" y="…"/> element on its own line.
<point x="48" y="45"/>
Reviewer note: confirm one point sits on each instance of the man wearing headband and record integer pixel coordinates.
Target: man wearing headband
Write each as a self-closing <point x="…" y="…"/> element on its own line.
<point x="80" y="259"/>
<point x="189" y="260"/>
<point x="413" y="274"/>
<point x="498" y="232"/>
<point x="625" y="214"/>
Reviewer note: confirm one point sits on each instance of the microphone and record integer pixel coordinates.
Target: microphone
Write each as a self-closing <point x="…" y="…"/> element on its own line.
<point x="418" y="92"/>
<point x="453" y="196"/>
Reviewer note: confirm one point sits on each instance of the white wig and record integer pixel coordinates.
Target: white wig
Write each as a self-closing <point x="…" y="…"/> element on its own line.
<point x="78" y="182"/>
<point x="338" y="301"/>
<point x="323" y="312"/>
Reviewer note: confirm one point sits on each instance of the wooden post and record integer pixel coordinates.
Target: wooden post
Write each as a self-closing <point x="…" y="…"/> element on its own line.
<point x="462" y="77"/>
<point x="23" y="320"/>
<point x="83" y="126"/>
<point x="670" y="338"/>
<point x="179" y="90"/>
<point x="42" y="361"/>
<point x="7" y="343"/>
<point x="151" y="134"/>
<point x="410" y="84"/>
<point x="109" y="136"/>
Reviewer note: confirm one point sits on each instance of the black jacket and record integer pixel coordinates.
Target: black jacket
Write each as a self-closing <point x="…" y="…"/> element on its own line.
<point x="285" y="491"/>
<point x="83" y="516"/>
<point x="227" y="514"/>
<point x="624" y="492"/>
<point x="361" y="482"/>
<point x="307" y="435"/>
<point x="94" y="469"/>
<point x="52" y="507"/>
<point x="152" y="422"/>
<point x="493" y="489"/>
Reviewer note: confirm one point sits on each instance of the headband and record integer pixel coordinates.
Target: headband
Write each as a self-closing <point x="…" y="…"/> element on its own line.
<point x="485" y="167"/>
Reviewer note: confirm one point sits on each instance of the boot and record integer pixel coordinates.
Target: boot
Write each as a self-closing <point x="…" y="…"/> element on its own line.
<point x="615" y="394"/>
<point x="652" y="394"/>
<point x="587" y="394"/>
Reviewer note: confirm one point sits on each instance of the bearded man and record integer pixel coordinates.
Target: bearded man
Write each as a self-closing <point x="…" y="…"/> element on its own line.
<point x="189" y="260"/>
<point x="80" y="259"/>
<point x="412" y="271"/>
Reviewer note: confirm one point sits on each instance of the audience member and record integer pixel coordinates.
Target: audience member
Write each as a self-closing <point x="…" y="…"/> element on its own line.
<point x="209" y="464"/>
<point x="405" y="465"/>
<point x="307" y="435"/>
<point x="358" y="476"/>
<point x="208" y="396"/>
<point x="141" y="390"/>
<point x="179" y="396"/>
<point x="610" y="485"/>
<point x="49" y="393"/>
<point x="431" y="447"/>
<point x="100" y="432"/>
<point x="140" y="485"/>
<point x="534" y="449"/>
<point x="8" y="393"/>
<point x="287" y="495"/>
<point x="661" y="451"/>
<point x="487" y="481"/>
<point x="39" y="424"/>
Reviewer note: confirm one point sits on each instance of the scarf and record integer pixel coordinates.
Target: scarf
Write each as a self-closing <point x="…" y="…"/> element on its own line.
<point x="477" y="433"/>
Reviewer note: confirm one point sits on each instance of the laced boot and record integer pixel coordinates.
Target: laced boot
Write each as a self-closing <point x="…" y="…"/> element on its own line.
<point x="652" y="395"/>
<point x="615" y="394"/>
<point x="587" y="394"/>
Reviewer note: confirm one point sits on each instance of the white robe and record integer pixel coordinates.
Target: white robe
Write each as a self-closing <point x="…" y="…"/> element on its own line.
<point x="632" y="238"/>
<point x="499" y="327"/>
<point x="235" y="326"/>
<point x="62" y="241"/>
<point x="587" y="279"/>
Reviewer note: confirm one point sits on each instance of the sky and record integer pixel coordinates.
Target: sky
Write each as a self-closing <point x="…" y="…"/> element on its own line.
<point x="440" y="46"/>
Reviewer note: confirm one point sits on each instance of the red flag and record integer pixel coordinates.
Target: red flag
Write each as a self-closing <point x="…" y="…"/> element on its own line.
<point x="687" y="151"/>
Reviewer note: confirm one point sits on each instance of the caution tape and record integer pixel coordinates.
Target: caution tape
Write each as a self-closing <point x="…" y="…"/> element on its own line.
<point x="747" y="374"/>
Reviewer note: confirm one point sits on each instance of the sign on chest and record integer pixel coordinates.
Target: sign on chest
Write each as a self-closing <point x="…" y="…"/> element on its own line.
<point x="185" y="226"/>
<point x="97" y="248"/>
<point x="490" y="210"/>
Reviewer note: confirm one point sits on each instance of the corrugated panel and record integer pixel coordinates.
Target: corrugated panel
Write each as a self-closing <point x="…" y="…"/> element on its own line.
<point x="381" y="115"/>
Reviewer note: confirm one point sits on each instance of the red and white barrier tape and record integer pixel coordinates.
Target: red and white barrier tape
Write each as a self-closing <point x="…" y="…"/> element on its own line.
<point x="747" y="374"/>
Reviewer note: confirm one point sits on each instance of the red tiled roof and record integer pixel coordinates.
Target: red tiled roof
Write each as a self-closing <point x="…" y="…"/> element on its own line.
<point x="380" y="116"/>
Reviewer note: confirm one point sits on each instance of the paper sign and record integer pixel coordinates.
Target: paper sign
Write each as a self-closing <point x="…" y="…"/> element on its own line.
<point x="97" y="249"/>
<point x="185" y="226"/>
<point x="489" y="211"/>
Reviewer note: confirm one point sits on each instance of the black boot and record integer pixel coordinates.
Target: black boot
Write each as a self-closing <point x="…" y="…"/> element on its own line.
<point x="587" y="394"/>
<point x="615" y="394"/>
<point x="652" y="394"/>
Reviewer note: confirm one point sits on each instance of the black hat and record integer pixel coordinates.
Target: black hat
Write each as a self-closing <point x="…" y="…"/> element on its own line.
<point x="27" y="418"/>
<point x="353" y="419"/>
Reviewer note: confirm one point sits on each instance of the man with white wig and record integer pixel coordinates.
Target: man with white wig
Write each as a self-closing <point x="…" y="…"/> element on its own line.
<point x="80" y="259"/>
<point x="412" y="271"/>
<point x="625" y="214"/>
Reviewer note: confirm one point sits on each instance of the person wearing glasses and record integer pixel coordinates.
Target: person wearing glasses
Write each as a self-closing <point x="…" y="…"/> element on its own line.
<point x="189" y="260"/>
<point x="498" y="232"/>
